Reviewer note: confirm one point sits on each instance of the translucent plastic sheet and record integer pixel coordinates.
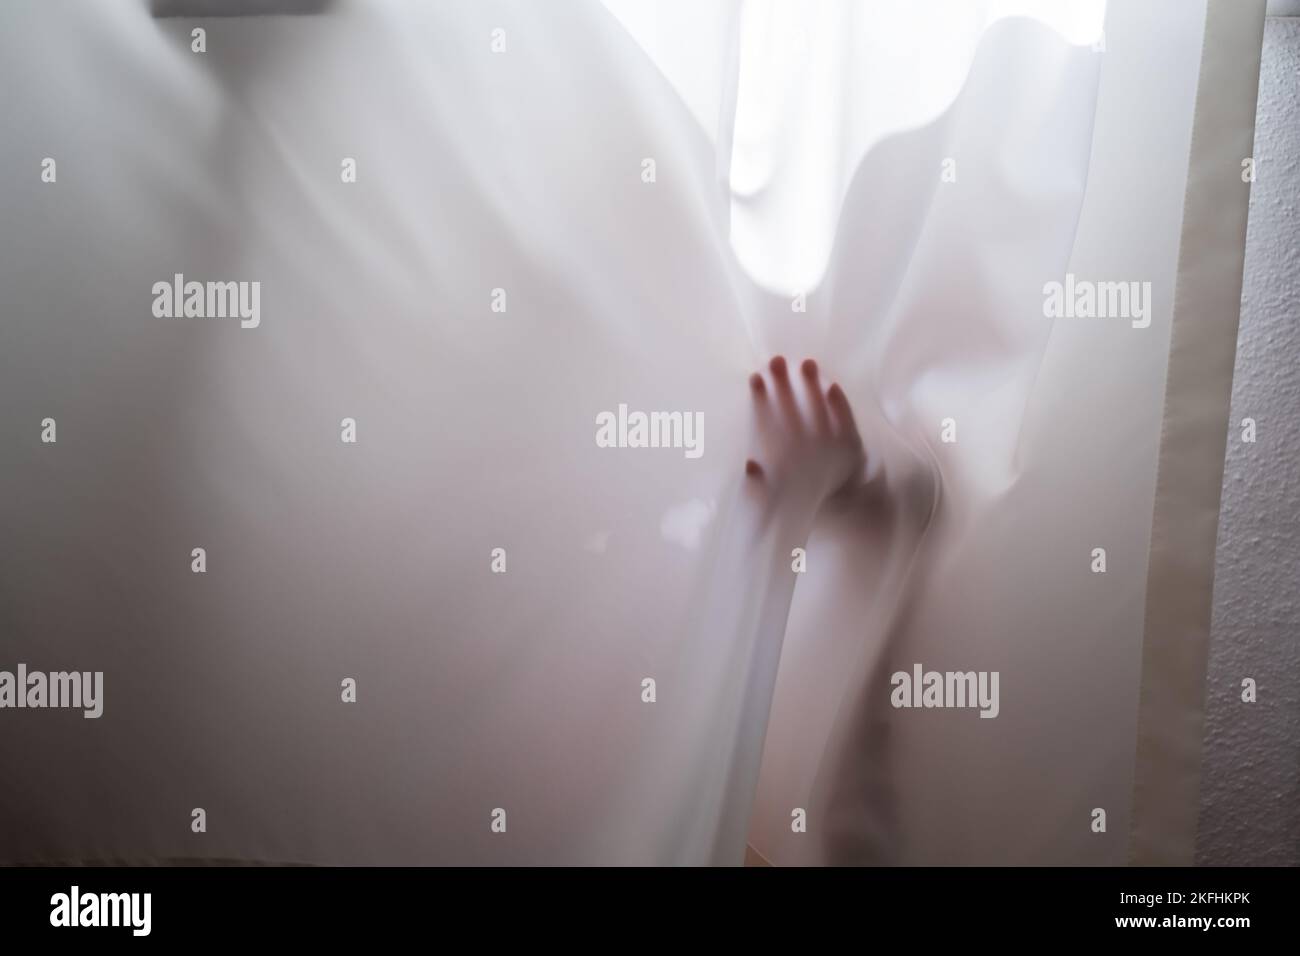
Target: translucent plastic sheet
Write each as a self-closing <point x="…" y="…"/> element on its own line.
<point x="506" y="268"/>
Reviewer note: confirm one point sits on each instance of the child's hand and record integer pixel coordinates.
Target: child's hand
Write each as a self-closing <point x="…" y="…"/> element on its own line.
<point x="810" y="446"/>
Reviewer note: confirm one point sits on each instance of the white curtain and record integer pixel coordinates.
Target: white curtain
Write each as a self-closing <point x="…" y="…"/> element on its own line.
<point x="663" y="196"/>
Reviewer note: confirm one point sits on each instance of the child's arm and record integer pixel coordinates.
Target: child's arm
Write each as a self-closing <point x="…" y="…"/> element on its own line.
<point x="808" y="451"/>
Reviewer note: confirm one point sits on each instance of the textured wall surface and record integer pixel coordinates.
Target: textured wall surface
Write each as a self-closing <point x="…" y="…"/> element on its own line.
<point x="1250" y="797"/>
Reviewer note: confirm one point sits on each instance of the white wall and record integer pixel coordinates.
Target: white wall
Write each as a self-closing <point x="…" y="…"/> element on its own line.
<point x="1250" y="800"/>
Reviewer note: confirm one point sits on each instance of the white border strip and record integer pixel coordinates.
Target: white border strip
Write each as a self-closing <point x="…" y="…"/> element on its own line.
<point x="1198" y="389"/>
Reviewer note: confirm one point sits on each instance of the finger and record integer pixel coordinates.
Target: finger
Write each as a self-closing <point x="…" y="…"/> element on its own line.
<point x="846" y="427"/>
<point x="758" y="390"/>
<point x="785" y="393"/>
<point x="821" y="416"/>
